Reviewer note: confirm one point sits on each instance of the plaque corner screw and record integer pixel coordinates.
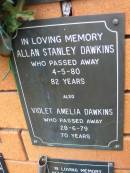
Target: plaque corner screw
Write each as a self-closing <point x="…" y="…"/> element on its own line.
<point x="115" y="21"/>
<point x="35" y="141"/>
<point x="117" y="146"/>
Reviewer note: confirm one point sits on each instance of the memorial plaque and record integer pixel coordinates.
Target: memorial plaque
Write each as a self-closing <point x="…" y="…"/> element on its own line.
<point x="3" y="168"/>
<point x="70" y="79"/>
<point x="60" y="166"/>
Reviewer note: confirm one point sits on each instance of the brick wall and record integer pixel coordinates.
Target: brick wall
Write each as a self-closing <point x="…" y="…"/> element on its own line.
<point x="15" y="144"/>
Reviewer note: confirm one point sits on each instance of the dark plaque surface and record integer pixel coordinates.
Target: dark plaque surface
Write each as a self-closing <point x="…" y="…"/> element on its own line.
<point x="70" y="79"/>
<point x="3" y="168"/>
<point x="60" y="166"/>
